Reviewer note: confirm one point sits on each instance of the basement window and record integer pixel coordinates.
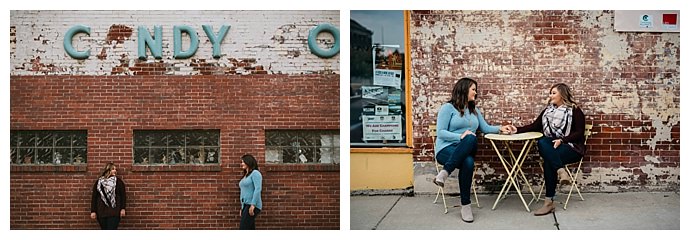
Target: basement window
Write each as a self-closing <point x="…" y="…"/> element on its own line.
<point x="48" y="147"/>
<point x="303" y="146"/>
<point x="176" y="147"/>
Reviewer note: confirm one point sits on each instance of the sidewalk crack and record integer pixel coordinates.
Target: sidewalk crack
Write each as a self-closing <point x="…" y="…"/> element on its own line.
<point x="389" y="210"/>
<point x="558" y="226"/>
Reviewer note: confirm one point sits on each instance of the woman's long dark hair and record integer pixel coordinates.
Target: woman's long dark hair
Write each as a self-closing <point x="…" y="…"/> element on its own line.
<point x="566" y="94"/>
<point x="459" y="96"/>
<point x="251" y="164"/>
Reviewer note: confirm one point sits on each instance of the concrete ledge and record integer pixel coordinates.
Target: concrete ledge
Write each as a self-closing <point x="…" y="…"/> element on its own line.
<point x="406" y="192"/>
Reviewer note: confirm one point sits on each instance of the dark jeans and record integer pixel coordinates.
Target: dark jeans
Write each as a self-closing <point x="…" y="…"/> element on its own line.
<point x="109" y="223"/>
<point x="553" y="160"/>
<point x="460" y="156"/>
<point x="247" y="222"/>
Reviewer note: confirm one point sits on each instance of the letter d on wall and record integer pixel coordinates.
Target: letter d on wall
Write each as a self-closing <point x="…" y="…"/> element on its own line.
<point x="69" y="48"/>
<point x="177" y="42"/>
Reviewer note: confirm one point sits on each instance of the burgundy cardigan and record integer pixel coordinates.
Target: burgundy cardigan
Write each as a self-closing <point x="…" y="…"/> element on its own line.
<point x="577" y="131"/>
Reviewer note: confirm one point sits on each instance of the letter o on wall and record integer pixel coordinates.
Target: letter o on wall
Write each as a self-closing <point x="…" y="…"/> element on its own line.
<point x="315" y="49"/>
<point x="67" y="43"/>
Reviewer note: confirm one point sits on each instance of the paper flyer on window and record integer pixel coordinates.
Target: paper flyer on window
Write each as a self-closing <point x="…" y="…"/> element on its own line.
<point x="382" y="127"/>
<point x="375" y="92"/>
<point x="386" y="77"/>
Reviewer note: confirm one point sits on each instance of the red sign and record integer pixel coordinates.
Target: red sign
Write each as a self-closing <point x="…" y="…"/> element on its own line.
<point x="670" y="18"/>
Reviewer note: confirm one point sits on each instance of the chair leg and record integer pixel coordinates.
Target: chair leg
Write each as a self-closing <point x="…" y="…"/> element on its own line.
<point x="444" y="201"/>
<point x="474" y="189"/>
<point x="541" y="188"/>
<point x="440" y="191"/>
<point x="443" y="197"/>
<point x="573" y="185"/>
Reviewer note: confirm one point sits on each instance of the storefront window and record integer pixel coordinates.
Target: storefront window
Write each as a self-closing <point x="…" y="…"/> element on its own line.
<point x="377" y="79"/>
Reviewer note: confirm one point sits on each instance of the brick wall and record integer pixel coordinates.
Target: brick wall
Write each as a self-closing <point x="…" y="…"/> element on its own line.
<point x="292" y="92"/>
<point x="627" y="83"/>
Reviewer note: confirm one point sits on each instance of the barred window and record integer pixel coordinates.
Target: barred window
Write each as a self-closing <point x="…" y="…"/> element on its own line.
<point x="48" y="147"/>
<point x="303" y="146"/>
<point x="169" y="147"/>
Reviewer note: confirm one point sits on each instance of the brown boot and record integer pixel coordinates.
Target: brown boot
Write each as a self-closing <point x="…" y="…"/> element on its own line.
<point x="546" y="209"/>
<point x="563" y="176"/>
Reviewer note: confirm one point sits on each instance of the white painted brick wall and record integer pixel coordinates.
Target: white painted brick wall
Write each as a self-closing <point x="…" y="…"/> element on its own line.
<point x="252" y="34"/>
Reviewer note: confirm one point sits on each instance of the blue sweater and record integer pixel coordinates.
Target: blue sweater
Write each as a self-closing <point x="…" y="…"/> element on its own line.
<point x="450" y="125"/>
<point x="250" y="189"/>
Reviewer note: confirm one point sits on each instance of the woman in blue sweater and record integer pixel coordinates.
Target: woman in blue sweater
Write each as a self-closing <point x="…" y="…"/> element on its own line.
<point x="456" y="145"/>
<point x="250" y="192"/>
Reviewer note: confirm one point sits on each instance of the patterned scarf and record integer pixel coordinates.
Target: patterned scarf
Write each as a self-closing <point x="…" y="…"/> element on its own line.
<point x="106" y="186"/>
<point x="557" y="120"/>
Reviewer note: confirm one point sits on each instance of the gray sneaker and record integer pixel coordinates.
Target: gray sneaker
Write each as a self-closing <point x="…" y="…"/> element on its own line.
<point x="466" y="213"/>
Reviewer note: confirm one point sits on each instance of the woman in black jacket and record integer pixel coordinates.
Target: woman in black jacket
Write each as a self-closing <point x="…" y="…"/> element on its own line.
<point x="563" y="125"/>
<point x="108" y="198"/>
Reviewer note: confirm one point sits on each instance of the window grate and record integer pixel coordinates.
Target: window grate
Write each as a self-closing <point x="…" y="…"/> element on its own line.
<point x="59" y="147"/>
<point x="303" y="146"/>
<point x="171" y="147"/>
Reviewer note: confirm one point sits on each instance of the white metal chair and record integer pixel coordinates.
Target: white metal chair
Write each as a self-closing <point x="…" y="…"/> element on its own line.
<point x="573" y="177"/>
<point x="440" y="191"/>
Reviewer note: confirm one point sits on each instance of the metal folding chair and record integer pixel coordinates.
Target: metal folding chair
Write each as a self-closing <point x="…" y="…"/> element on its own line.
<point x="432" y="132"/>
<point x="573" y="177"/>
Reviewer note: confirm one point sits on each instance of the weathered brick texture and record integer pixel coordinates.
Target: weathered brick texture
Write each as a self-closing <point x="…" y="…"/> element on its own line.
<point x="628" y="85"/>
<point x="110" y="108"/>
<point x="257" y="42"/>
<point x="295" y="92"/>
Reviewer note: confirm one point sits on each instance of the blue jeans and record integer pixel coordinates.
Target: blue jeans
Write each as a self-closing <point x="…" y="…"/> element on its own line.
<point x="248" y="222"/>
<point x="460" y="156"/>
<point x="553" y="160"/>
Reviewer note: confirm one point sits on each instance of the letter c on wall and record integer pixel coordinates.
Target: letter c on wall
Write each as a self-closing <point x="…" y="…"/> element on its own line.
<point x="68" y="42"/>
<point x="315" y="49"/>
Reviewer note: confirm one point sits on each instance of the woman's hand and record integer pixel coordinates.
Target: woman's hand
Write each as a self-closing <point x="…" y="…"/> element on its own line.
<point x="251" y="211"/>
<point x="122" y="213"/>
<point x="93" y="215"/>
<point x="508" y="129"/>
<point x="240" y="212"/>
<point x="557" y="143"/>
<point x="467" y="132"/>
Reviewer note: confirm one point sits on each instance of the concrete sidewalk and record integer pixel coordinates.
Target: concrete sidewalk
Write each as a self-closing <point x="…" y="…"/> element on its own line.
<point x="599" y="211"/>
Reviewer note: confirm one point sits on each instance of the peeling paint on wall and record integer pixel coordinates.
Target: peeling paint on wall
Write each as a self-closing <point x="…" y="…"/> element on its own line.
<point x="664" y="113"/>
<point x="653" y="159"/>
<point x="627" y="83"/>
<point x="276" y="39"/>
<point x="621" y="98"/>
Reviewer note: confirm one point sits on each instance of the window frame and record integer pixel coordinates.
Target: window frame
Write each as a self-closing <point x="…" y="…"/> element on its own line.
<point x="357" y="146"/>
<point x="334" y="148"/>
<point x="167" y="147"/>
<point x="53" y="147"/>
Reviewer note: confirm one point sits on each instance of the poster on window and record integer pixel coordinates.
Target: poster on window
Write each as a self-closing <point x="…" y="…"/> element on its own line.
<point x="382" y="127"/>
<point x="386" y="77"/>
<point x="394" y="97"/>
<point x="388" y="67"/>
<point x="381" y="109"/>
<point x="375" y="92"/>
